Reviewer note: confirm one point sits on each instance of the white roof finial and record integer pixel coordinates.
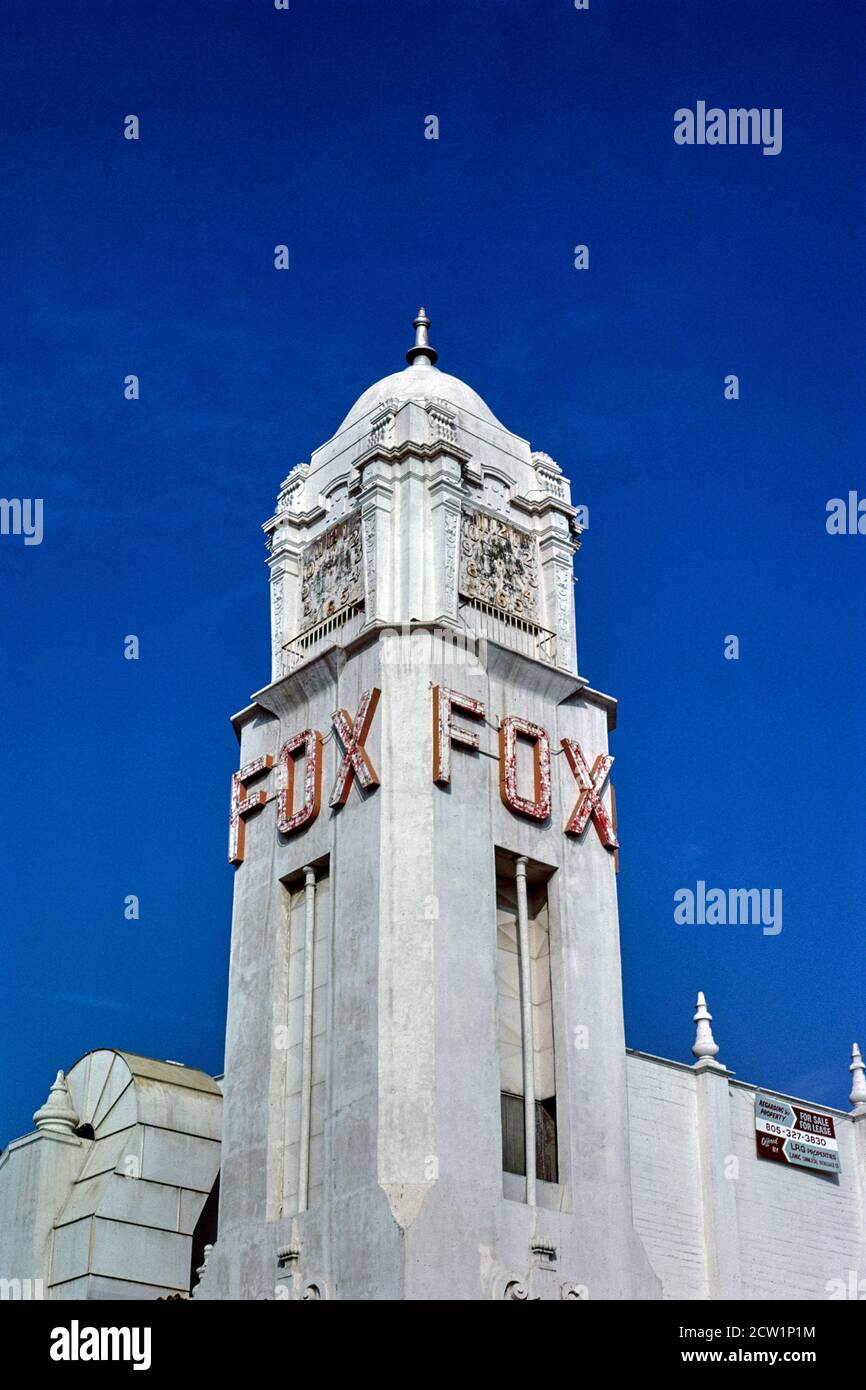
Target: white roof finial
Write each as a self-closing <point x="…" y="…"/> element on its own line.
<point x="705" y="1046"/>
<point x="422" y="354"/>
<point x="858" y="1084"/>
<point x="58" y="1114"/>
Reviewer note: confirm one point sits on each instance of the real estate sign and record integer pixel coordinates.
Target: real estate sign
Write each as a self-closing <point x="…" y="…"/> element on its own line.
<point x="789" y="1134"/>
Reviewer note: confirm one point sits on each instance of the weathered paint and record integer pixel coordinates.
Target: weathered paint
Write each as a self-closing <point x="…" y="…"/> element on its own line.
<point x="589" y="802"/>
<point x="355" y="763"/>
<point x="445" y="733"/>
<point x="242" y="805"/>
<point x="536" y="807"/>
<point x="290" y="820"/>
<point x="499" y="563"/>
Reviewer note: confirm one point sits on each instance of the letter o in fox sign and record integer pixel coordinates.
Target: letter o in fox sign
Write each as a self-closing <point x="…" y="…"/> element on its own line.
<point x="309" y="743"/>
<point x="537" y="806"/>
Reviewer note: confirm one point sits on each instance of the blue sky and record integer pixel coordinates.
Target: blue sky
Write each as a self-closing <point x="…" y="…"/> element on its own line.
<point x="707" y="516"/>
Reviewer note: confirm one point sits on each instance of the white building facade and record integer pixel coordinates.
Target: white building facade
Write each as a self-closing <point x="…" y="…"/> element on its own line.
<point x="103" y="1200"/>
<point x="427" y="1093"/>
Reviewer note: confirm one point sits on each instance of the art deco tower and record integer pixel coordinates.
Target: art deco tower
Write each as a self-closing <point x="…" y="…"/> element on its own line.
<point x="425" y="1093"/>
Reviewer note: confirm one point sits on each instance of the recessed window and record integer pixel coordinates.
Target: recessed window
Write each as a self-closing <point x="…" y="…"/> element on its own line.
<point x="525" y="1018"/>
<point x="299" y="1063"/>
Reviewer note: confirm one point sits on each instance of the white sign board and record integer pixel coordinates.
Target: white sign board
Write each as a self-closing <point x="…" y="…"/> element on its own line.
<point x="790" y="1134"/>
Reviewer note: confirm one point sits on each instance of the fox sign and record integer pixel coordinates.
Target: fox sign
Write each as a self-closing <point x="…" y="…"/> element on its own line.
<point x="300" y="769"/>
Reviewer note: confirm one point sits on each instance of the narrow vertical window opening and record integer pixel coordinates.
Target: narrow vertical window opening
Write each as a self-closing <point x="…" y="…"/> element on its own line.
<point x="298" y="1076"/>
<point x="525" y="1007"/>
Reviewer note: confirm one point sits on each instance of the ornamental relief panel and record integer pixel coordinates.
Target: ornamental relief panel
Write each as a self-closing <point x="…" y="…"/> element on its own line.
<point x="331" y="570"/>
<point x="564" y="584"/>
<point x="499" y="564"/>
<point x="452" y="519"/>
<point x="278" y="619"/>
<point x="370" y="561"/>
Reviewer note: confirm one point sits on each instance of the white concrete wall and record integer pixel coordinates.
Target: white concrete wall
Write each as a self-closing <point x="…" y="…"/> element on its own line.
<point x="798" y="1229"/>
<point x="36" y="1173"/>
<point x="113" y="1216"/>
<point x="411" y="1145"/>
<point x="666" y="1189"/>
<point x="794" y="1233"/>
<point x="413" y="1203"/>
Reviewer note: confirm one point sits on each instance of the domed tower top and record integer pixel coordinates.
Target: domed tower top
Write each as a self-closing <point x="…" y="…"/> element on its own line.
<point x="421" y="379"/>
<point x="423" y="508"/>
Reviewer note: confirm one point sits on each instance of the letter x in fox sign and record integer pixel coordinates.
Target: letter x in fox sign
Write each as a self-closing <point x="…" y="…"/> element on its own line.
<point x="355" y="762"/>
<point x="589" y="802"/>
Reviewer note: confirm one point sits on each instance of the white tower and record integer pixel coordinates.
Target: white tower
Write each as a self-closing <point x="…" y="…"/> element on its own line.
<point x="425" y="1093"/>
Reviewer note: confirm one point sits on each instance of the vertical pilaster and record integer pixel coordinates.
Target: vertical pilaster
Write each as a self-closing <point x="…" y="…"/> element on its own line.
<point x="858" y="1123"/>
<point x="286" y="580"/>
<point x="556" y="551"/>
<point x="718" y="1173"/>
<point x="307" y="1053"/>
<point x="407" y="1151"/>
<point x="526" y="1029"/>
<point x="718" y="1180"/>
<point x="445" y="500"/>
<point x="376" y="506"/>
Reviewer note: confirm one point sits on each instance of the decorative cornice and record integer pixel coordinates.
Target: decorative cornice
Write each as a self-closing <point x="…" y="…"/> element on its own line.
<point x="295" y="519"/>
<point x="412" y="449"/>
<point x="551" y="478"/>
<point x="442" y="420"/>
<point x="292" y="486"/>
<point x="537" y="506"/>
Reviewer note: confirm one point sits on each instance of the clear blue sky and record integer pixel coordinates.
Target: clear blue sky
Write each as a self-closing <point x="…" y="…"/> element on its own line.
<point x="707" y="516"/>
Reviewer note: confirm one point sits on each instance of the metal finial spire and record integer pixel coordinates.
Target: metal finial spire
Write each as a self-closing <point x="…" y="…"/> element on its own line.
<point x="858" y="1087"/>
<point x="422" y="354"/>
<point x="705" y="1046"/>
